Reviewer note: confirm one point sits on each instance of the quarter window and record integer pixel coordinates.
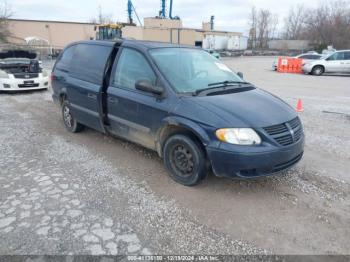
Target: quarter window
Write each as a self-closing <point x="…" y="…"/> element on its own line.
<point x="66" y="58"/>
<point x="132" y="66"/>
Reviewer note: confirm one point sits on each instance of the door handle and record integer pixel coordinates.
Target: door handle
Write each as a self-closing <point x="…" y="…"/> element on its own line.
<point x="112" y="100"/>
<point x="92" y="96"/>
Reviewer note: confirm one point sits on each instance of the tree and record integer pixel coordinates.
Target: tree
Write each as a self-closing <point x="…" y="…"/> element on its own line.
<point x="263" y="26"/>
<point x="5" y="14"/>
<point x="327" y="24"/>
<point x="253" y="28"/>
<point x="294" y="23"/>
<point x="266" y="25"/>
<point x="101" y="18"/>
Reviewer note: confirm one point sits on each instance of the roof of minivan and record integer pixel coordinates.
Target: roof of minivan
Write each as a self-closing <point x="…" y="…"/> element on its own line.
<point x="152" y="44"/>
<point x="134" y="43"/>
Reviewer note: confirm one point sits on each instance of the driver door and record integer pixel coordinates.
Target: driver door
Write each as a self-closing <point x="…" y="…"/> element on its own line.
<point x="336" y="63"/>
<point x="134" y="114"/>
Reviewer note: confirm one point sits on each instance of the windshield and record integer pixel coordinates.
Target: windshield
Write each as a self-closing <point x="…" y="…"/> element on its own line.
<point x="189" y="70"/>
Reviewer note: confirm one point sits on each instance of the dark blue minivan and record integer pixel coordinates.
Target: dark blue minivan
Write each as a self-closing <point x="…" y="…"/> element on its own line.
<point x="181" y="102"/>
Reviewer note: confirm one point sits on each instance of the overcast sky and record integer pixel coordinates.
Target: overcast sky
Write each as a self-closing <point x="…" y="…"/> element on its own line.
<point x="230" y="14"/>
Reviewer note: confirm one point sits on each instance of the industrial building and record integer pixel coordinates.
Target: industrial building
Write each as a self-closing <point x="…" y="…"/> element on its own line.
<point x="54" y="35"/>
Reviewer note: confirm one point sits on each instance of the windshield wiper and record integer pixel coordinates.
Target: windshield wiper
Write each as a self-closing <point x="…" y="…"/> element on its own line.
<point x="227" y="83"/>
<point x="217" y="85"/>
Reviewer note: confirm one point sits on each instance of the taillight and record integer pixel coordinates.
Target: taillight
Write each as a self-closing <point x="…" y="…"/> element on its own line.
<point x="53" y="77"/>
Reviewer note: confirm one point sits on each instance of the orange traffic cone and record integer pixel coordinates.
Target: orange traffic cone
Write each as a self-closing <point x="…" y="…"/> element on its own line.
<point x="299" y="106"/>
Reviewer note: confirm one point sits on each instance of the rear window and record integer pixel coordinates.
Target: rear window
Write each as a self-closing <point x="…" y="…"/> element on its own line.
<point x="89" y="62"/>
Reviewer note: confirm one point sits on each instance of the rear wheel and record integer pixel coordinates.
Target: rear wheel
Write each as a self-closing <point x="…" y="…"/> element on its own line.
<point x="69" y="121"/>
<point x="185" y="160"/>
<point x="317" y="70"/>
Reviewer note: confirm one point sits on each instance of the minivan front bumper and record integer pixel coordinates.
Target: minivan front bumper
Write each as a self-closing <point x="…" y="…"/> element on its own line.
<point x="252" y="162"/>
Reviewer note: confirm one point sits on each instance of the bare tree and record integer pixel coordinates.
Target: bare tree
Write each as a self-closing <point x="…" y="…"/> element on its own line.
<point x="274" y="26"/>
<point x="267" y="25"/>
<point x="327" y="24"/>
<point x="101" y="18"/>
<point x="5" y="14"/>
<point x="294" y="23"/>
<point x="253" y="28"/>
<point x="263" y="26"/>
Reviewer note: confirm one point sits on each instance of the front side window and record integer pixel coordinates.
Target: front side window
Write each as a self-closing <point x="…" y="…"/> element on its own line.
<point x="189" y="70"/>
<point x="347" y="55"/>
<point x="132" y="66"/>
<point x="336" y="56"/>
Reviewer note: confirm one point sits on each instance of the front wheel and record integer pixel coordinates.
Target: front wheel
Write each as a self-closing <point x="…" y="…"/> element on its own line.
<point x="317" y="70"/>
<point x="69" y="121"/>
<point x="185" y="160"/>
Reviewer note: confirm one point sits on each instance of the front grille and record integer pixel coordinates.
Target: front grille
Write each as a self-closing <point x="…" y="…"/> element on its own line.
<point x="288" y="164"/>
<point x="287" y="133"/>
<point x="28" y="85"/>
<point x="26" y="75"/>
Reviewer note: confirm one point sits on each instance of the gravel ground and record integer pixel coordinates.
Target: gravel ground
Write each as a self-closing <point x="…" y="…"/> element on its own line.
<point x="88" y="193"/>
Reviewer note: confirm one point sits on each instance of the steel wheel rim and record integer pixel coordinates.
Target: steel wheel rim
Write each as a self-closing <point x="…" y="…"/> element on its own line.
<point x="182" y="160"/>
<point x="67" y="117"/>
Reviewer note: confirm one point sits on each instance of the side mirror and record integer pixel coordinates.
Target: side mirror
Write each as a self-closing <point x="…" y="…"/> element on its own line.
<point x="146" y="86"/>
<point x="240" y="74"/>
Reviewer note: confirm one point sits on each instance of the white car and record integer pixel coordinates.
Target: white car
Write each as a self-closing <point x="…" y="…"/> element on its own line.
<point x="306" y="57"/>
<point x="337" y="62"/>
<point x="21" y="73"/>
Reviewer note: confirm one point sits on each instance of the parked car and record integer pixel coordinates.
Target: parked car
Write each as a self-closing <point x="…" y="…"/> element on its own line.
<point x="181" y="102"/>
<point x="337" y="62"/>
<point x="306" y="57"/>
<point x="19" y="71"/>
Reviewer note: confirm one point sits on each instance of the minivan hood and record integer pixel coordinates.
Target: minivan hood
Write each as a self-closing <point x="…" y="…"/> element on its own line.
<point x="254" y="108"/>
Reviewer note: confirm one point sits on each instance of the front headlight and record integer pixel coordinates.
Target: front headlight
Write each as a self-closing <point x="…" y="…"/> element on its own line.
<point x="3" y="74"/>
<point x="45" y="73"/>
<point x="238" y="136"/>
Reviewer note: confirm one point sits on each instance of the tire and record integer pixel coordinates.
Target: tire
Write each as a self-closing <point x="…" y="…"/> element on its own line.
<point x="69" y="121"/>
<point x="317" y="70"/>
<point x="185" y="160"/>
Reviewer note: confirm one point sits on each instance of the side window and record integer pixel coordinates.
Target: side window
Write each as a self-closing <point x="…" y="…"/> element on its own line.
<point x="89" y="62"/>
<point x="347" y="55"/>
<point x="66" y="58"/>
<point x="337" y="56"/>
<point x="305" y="57"/>
<point x="132" y="66"/>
